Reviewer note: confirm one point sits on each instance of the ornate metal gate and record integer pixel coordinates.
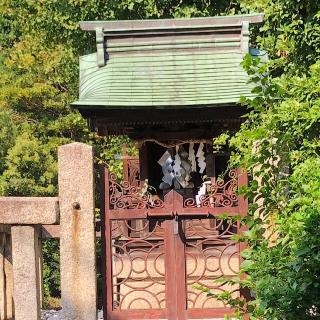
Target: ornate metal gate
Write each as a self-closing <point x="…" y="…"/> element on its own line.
<point x="159" y="249"/>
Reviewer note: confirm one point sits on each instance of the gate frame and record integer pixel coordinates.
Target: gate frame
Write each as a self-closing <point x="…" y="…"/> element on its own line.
<point x="173" y="211"/>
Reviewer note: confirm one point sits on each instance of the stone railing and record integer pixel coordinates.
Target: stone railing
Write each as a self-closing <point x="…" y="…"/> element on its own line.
<point x="24" y="221"/>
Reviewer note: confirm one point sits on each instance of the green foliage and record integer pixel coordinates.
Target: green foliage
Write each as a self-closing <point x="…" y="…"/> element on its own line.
<point x="290" y="34"/>
<point x="29" y="168"/>
<point x="51" y="278"/>
<point x="279" y="145"/>
<point x="8" y="131"/>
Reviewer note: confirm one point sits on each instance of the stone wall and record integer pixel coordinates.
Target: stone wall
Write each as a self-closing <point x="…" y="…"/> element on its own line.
<point x="70" y="216"/>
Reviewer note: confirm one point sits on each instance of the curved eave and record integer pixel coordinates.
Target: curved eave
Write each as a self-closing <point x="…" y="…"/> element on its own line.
<point x="167" y="105"/>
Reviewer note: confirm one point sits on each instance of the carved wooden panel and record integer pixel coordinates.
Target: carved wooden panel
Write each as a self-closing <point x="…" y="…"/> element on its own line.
<point x="138" y="265"/>
<point x="159" y="249"/>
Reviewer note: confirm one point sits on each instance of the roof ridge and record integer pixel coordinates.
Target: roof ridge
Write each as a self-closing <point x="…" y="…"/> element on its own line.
<point x="171" y="24"/>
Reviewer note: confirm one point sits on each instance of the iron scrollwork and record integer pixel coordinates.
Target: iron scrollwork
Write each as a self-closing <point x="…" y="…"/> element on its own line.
<point x="221" y="194"/>
<point x="126" y="196"/>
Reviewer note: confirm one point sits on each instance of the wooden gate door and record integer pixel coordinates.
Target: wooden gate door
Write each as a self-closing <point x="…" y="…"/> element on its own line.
<point x="158" y="252"/>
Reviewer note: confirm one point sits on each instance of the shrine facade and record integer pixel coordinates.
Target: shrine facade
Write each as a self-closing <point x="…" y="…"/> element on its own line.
<point x="172" y="86"/>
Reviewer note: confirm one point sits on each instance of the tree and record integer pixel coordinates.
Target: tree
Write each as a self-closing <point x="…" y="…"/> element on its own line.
<point x="279" y="146"/>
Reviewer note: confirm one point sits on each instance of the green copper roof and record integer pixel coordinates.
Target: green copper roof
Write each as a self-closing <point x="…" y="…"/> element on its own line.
<point x="163" y="63"/>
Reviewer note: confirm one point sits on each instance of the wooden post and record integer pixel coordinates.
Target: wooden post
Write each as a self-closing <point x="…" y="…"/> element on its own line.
<point x="25" y="272"/>
<point x="77" y="232"/>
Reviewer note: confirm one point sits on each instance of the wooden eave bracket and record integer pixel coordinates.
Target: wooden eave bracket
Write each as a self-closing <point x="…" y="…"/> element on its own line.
<point x="100" y="47"/>
<point x="245" y="37"/>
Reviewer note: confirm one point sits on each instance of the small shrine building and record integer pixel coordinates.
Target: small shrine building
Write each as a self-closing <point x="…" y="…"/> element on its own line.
<point x="171" y="85"/>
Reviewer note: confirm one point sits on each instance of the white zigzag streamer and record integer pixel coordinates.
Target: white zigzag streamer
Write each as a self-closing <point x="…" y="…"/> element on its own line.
<point x="177" y="163"/>
<point x="201" y="158"/>
<point x="192" y="158"/>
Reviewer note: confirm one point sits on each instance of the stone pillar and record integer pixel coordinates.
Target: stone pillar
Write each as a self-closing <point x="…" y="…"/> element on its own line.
<point x="3" y="306"/>
<point x="8" y="270"/>
<point x="40" y="255"/>
<point x="25" y="272"/>
<point x="77" y="232"/>
<point x="6" y="275"/>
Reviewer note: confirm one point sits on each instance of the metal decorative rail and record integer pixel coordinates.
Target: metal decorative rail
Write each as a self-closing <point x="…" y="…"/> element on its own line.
<point x="161" y="247"/>
<point x="126" y="196"/>
<point x="220" y="197"/>
<point x="138" y="265"/>
<point x="221" y="194"/>
<point x="131" y="170"/>
<point x="210" y="255"/>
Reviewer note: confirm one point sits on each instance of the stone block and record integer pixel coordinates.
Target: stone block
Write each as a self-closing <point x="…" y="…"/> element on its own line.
<point x="50" y="231"/>
<point x="77" y="232"/>
<point x="40" y="261"/>
<point x="29" y="210"/>
<point x="25" y="272"/>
